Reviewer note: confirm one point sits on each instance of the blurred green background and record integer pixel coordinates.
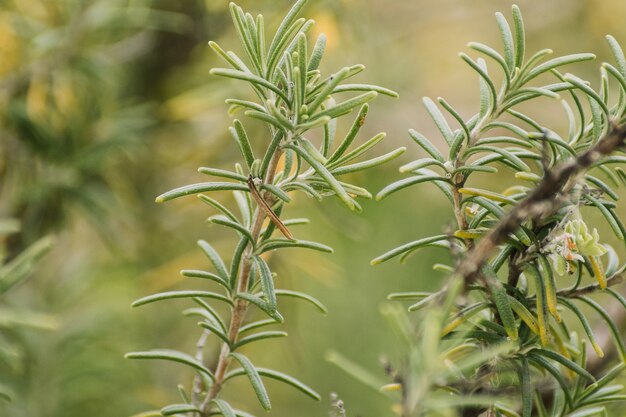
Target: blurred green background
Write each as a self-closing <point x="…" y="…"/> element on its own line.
<point x="106" y="103"/>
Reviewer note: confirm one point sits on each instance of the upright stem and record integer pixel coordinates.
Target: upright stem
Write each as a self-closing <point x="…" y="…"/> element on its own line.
<point x="239" y="310"/>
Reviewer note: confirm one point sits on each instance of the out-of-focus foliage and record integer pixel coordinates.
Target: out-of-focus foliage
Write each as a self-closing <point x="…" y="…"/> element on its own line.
<point x="152" y="88"/>
<point x="12" y="318"/>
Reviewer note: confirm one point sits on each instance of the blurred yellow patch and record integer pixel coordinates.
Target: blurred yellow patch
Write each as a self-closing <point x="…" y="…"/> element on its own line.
<point x="36" y="98"/>
<point x="9" y="46"/>
<point x="326" y="23"/>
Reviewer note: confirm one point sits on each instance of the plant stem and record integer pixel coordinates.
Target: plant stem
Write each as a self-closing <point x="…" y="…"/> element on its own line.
<point x="239" y="310"/>
<point x="543" y="201"/>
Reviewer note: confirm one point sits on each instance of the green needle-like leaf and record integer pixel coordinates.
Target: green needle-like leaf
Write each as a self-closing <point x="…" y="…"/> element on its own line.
<point x="180" y="294"/>
<point x="303" y="296"/>
<point x="255" y="380"/>
<point x="174" y="356"/>
<point x="177" y="409"/>
<point x="200" y="188"/>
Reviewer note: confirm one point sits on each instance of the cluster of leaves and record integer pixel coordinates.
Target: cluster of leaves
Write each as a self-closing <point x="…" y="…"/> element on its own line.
<point x="531" y="296"/>
<point x="294" y="100"/>
<point x="12" y="273"/>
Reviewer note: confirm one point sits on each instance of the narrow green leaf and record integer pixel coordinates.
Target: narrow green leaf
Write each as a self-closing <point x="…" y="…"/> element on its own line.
<point x="251" y="78"/>
<point x="258" y="336"/>
<point x="323" y="172"/>
<point x="256" y="325"/>
<point x="590" y="92"/>
<point x="174" y="356"/>
<point x="520" y="38"/>
<point x="354" y="129"/>
<point x="346" y="169"/>
<point x="239" y="134"/>
<point x="501" y="301"/>
<point x="278" y="243"/>
<point x="568" y="363"/>
<point x="180" y="294"/>
<point x="615" y="331"/>
<point x="217" y="331"/>
<point x="330" y="85"/>
<point x="482" y="72"/>
<point x="247" y="35"/>
<point x="426" y="145"/>
<point x="20" y="267"/>
<point x="236" y="260"/>
<point x="225" y="221"/>
<point x="585" y="323"/>
<point x="439" y="119"/>
<point x="267" y="281"/>
<point x="543" y="364"/>
<point x="262" y="305"/>
<point x="408" y="247"/>
<point x="555" y="63"/>
<point x="401" y="296"/>
<point x="365" y="87"/>
<point x="7" y="394"/>
<point x="224" y="408"/>
<point x="303" y="296"/>
<point x="318" y="53"/>
<point x="346" y="106"/>
<point x="407" y="182"/>
<point x="193" y="273"/>
<point x="214" y="257"/>
<point x="200" y="188"/>
<point x="210" y="311"/>
<point x="176" y="409"/>
<point x="608" y="215"/>
<point x="282" y="33"/>
<point x="358" y="151"/>
<point x="507" y="40"/>
<point x="282" y="124"/>
<point x="269" y="153"/>
<point x="217" y="205"/>
<point x="618" y="54"/>
<point x="255" y="380"/>
<point x="507" y="155"/>
<point x="421" y="163"/>
<point x="492" y="53"/>
<point x="236" y="63"/>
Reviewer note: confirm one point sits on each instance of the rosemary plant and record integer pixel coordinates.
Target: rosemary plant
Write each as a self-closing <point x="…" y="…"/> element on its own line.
<point x="294" y="101"/>
<point x="501" y="334"/>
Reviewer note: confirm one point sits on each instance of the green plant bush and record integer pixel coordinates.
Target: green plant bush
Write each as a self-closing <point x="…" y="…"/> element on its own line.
<point x="507" y="333"/>
<point x="295" y="103"/>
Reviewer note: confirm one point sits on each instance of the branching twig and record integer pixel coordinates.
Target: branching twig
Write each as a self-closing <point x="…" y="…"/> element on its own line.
<point x="542" y="202"/>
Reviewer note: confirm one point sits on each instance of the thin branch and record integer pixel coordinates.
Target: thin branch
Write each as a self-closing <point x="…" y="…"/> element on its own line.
<point x="543" y="201"/>
<point x="241" y="306"/>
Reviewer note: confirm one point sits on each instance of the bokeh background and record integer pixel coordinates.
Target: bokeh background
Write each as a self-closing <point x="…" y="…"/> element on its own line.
<point x="106" y="103"/>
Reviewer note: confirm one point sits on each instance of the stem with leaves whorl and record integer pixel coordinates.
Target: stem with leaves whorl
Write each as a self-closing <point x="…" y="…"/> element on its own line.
<point x="241" y="306"/>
